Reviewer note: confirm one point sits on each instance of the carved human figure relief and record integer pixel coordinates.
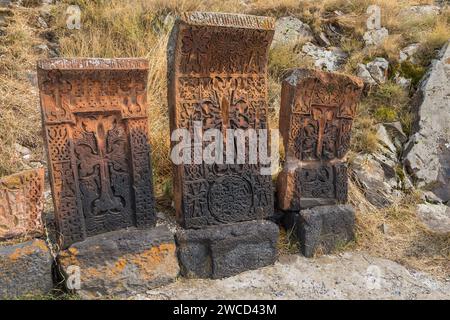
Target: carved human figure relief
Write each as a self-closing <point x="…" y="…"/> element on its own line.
<point x="95" y="122"/>
<point x="21" y="204"/>
<point x="218" y="77"/>
<point x="316" y="115"/>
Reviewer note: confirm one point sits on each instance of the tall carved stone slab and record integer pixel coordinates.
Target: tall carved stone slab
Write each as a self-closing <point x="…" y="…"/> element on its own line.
<point x="21" y="204"/>
<point x="218" y="76"/>
<point x="317" y="111"/>
<point x="94" y="115"/>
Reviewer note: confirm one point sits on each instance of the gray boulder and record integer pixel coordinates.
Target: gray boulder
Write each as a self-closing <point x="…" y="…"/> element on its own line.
<point x="365" y="75"/>
<point x="375" y="37"/>
<point x="435" y="217"/>
<point x="25" y="269"/>
<point x="420" y="10"/>
<point x="427" y="153"/>
<point x="407" y="53"/>
<point x="290" y="30"/>
<point x="377" y="179"/>
<point x="325" y="59"/>
<point x="374" y="72"/>
<point x="381" y="175"/>
<point x="120" y="263"/>
<point x="5" y="3"/>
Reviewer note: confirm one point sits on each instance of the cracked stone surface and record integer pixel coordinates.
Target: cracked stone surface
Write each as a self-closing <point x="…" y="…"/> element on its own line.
<point x="351" y="275"/>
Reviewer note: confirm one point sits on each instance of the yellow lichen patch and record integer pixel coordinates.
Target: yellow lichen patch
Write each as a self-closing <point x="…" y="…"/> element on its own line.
<point x="73" y="251"/>
<point x="156" y="257"/>
<point x="69" y="257"/>
<point x="120" y="264"/>
<point x="41" y="245"/>
<point x="20" y="252"/>
<point x="92" y="272"/>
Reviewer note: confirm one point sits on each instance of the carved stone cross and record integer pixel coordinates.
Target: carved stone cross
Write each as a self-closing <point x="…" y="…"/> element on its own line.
<point x="316" y="114"/>
<point x="99" y="156"/>
<point x="217" y="76"/>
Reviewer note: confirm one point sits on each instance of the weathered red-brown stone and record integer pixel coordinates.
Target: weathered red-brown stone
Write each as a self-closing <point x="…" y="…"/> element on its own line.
<point x="21" y="204"/>
<point x="217" y="75"/>
<point x="94" y="115"/>
<point x="317" y="111"/>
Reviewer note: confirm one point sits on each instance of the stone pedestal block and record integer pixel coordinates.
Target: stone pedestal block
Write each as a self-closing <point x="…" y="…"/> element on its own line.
<point x="322" y="229"/>
<point x="120" y="263"/>
<point x="222" y="251"/>
<point x="25" y="269"/>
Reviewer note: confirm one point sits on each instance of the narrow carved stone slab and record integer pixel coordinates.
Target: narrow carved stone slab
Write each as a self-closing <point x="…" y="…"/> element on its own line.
<point x="21" y="204"/>
<point x="94" y="114"/>
<point x="316" y="116"/>
<point x="217" y="71"/>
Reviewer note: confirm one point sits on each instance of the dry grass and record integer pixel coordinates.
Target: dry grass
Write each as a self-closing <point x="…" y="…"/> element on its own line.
<point x="405" y="241"/>
<point x="19" y="113"/>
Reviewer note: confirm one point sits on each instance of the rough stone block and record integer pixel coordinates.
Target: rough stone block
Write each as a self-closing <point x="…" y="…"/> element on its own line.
<point x="25" y="269"/>
<point x="222" y="251"/>
<point x="94" y="114"/>
<point x="316" y="117"/>
<point x="322" y="229"/>
<point x="21" y="204"/>
<point x="120" y="263"/>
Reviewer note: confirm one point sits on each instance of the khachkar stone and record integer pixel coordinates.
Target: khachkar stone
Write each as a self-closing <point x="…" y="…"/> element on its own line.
<point x="21" y="204"/>
<point x="94" y="115"/>
<point x="217" y="71"/>
<point x="317" y="111"/>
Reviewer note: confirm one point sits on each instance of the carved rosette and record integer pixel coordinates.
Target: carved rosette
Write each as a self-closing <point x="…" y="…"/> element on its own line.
<point x="95" y="121"/>
<point x="316" y="115"/>
<point x="21" y="204"/>
<point x="218" y="76"/>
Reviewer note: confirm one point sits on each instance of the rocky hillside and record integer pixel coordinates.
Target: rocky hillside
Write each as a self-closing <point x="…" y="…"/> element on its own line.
<point x="400" y="157"/>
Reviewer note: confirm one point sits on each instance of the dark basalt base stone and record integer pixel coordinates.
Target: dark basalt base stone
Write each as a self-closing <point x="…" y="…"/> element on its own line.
<point x="121" y="263"/>
<point x="226" y="250"/>
<point x="322" y="229"/>
<point x="25" y="269"/>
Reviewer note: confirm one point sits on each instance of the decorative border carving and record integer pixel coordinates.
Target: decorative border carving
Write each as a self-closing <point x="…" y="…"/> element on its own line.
<point x="72" y="91"/>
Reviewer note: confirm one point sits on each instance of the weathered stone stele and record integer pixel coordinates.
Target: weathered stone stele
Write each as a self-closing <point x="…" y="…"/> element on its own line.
<point x="21" y="204"/>
<point x="217" y="73"/>
<point x="94" y="115"/>
<point x="121" y="263"/>
<point x="317" y="111"/>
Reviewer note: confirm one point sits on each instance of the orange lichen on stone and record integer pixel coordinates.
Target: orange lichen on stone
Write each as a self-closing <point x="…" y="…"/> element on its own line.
<point x="73" y="251"/>
<point x="119" y="266"/>
<point x="24" y="251"/>
<point x="40" y="244"/>
<point x="69" y="257"/>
